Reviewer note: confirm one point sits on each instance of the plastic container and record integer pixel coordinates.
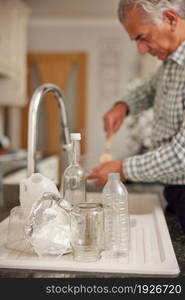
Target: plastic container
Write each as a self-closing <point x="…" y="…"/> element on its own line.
<point x="16" y="239"/>
<point x="116" y="216"/>
<point x="32" y="189"/>
<point x="73" y="187"/>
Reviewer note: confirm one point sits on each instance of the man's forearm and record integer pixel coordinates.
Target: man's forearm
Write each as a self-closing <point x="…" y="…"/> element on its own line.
<point x="160" y="165"/>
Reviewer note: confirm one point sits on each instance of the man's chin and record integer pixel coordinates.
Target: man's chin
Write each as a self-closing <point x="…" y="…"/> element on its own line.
<point x="160" y="56"/>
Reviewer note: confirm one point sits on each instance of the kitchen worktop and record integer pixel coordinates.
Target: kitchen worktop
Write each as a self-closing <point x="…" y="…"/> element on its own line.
<point x="176" y="233"/>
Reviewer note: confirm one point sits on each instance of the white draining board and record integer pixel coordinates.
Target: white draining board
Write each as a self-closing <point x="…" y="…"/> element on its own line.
<point x="151" y="250"/>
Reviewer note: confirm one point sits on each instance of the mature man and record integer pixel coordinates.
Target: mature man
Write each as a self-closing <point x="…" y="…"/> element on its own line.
<point x="158" y="28"/>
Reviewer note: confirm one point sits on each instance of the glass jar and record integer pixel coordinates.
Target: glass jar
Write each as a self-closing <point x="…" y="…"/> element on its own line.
<point x="86" y="231"/>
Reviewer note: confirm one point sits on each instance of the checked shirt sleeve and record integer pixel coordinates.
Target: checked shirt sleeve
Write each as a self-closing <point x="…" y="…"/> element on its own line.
<point x="164" y="164"/>
<point x="141" y="97"/>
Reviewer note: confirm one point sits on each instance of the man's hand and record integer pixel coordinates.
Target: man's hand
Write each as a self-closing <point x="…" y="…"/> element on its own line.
<point x="100" y="173"/>
<point x="114" y="117"/>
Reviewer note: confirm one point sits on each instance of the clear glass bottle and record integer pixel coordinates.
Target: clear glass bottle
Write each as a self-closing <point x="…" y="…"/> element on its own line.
<point x="74" y="176"/>
<point x="116" y="217"/>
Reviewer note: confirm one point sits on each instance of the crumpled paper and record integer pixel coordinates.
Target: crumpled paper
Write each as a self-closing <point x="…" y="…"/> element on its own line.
<point x="48" y="226"/>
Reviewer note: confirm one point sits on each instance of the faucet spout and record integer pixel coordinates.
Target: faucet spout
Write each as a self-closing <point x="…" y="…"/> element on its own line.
<point x="37" y="97"/>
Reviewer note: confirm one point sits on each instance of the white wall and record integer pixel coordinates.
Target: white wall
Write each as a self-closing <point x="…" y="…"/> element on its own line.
<point x="93" y="27"/>
<point x="112" y="62"/>
<point x="73" y="8"/>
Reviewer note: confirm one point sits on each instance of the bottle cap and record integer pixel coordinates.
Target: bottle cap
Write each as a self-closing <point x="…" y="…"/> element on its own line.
<point x="75" y="136"/>
<point x="114" y="176"/>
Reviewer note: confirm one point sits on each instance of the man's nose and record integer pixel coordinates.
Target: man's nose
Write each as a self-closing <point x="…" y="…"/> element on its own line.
<point x="142" y="47"/>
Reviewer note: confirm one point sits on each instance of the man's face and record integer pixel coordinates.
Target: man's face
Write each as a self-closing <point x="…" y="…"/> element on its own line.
<point x="157" y="40"/>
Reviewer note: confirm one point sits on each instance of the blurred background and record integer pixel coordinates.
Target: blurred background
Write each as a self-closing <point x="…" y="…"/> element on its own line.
<point x="81" y="47"/>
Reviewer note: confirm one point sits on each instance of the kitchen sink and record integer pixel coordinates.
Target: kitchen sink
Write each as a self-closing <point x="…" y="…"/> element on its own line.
<point x="151" y="251"/>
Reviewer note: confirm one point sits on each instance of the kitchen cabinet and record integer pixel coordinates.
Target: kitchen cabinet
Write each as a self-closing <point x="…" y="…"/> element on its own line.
<point x="13" y="31"/>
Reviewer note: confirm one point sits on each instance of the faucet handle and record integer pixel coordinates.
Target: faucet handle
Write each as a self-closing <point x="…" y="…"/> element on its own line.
<point x="67" y="147"/>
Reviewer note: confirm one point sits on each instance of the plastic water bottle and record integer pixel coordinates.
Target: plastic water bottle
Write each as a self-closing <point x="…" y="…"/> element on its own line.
<point x="116" y="216"/>
<point x="74" y="176"/>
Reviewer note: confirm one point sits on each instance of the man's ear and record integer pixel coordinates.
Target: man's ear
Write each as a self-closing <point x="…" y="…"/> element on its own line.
<point x="171" y="18"/>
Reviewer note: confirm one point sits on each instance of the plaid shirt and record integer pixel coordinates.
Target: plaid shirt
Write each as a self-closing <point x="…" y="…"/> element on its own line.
<point x="165" y="91"/>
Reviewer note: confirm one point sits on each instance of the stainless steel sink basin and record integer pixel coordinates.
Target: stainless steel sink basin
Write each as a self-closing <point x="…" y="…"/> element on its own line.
<point x="13" y="160"/>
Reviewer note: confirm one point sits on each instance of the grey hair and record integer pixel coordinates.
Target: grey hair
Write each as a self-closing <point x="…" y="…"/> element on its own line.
<point x="152" y="9"/>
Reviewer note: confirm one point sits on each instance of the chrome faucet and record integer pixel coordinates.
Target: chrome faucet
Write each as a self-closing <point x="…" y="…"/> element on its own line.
<point x="37" y="97"/>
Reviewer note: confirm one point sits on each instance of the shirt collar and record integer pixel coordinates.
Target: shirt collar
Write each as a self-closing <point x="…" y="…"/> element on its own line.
<point x="179" y="55"/>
